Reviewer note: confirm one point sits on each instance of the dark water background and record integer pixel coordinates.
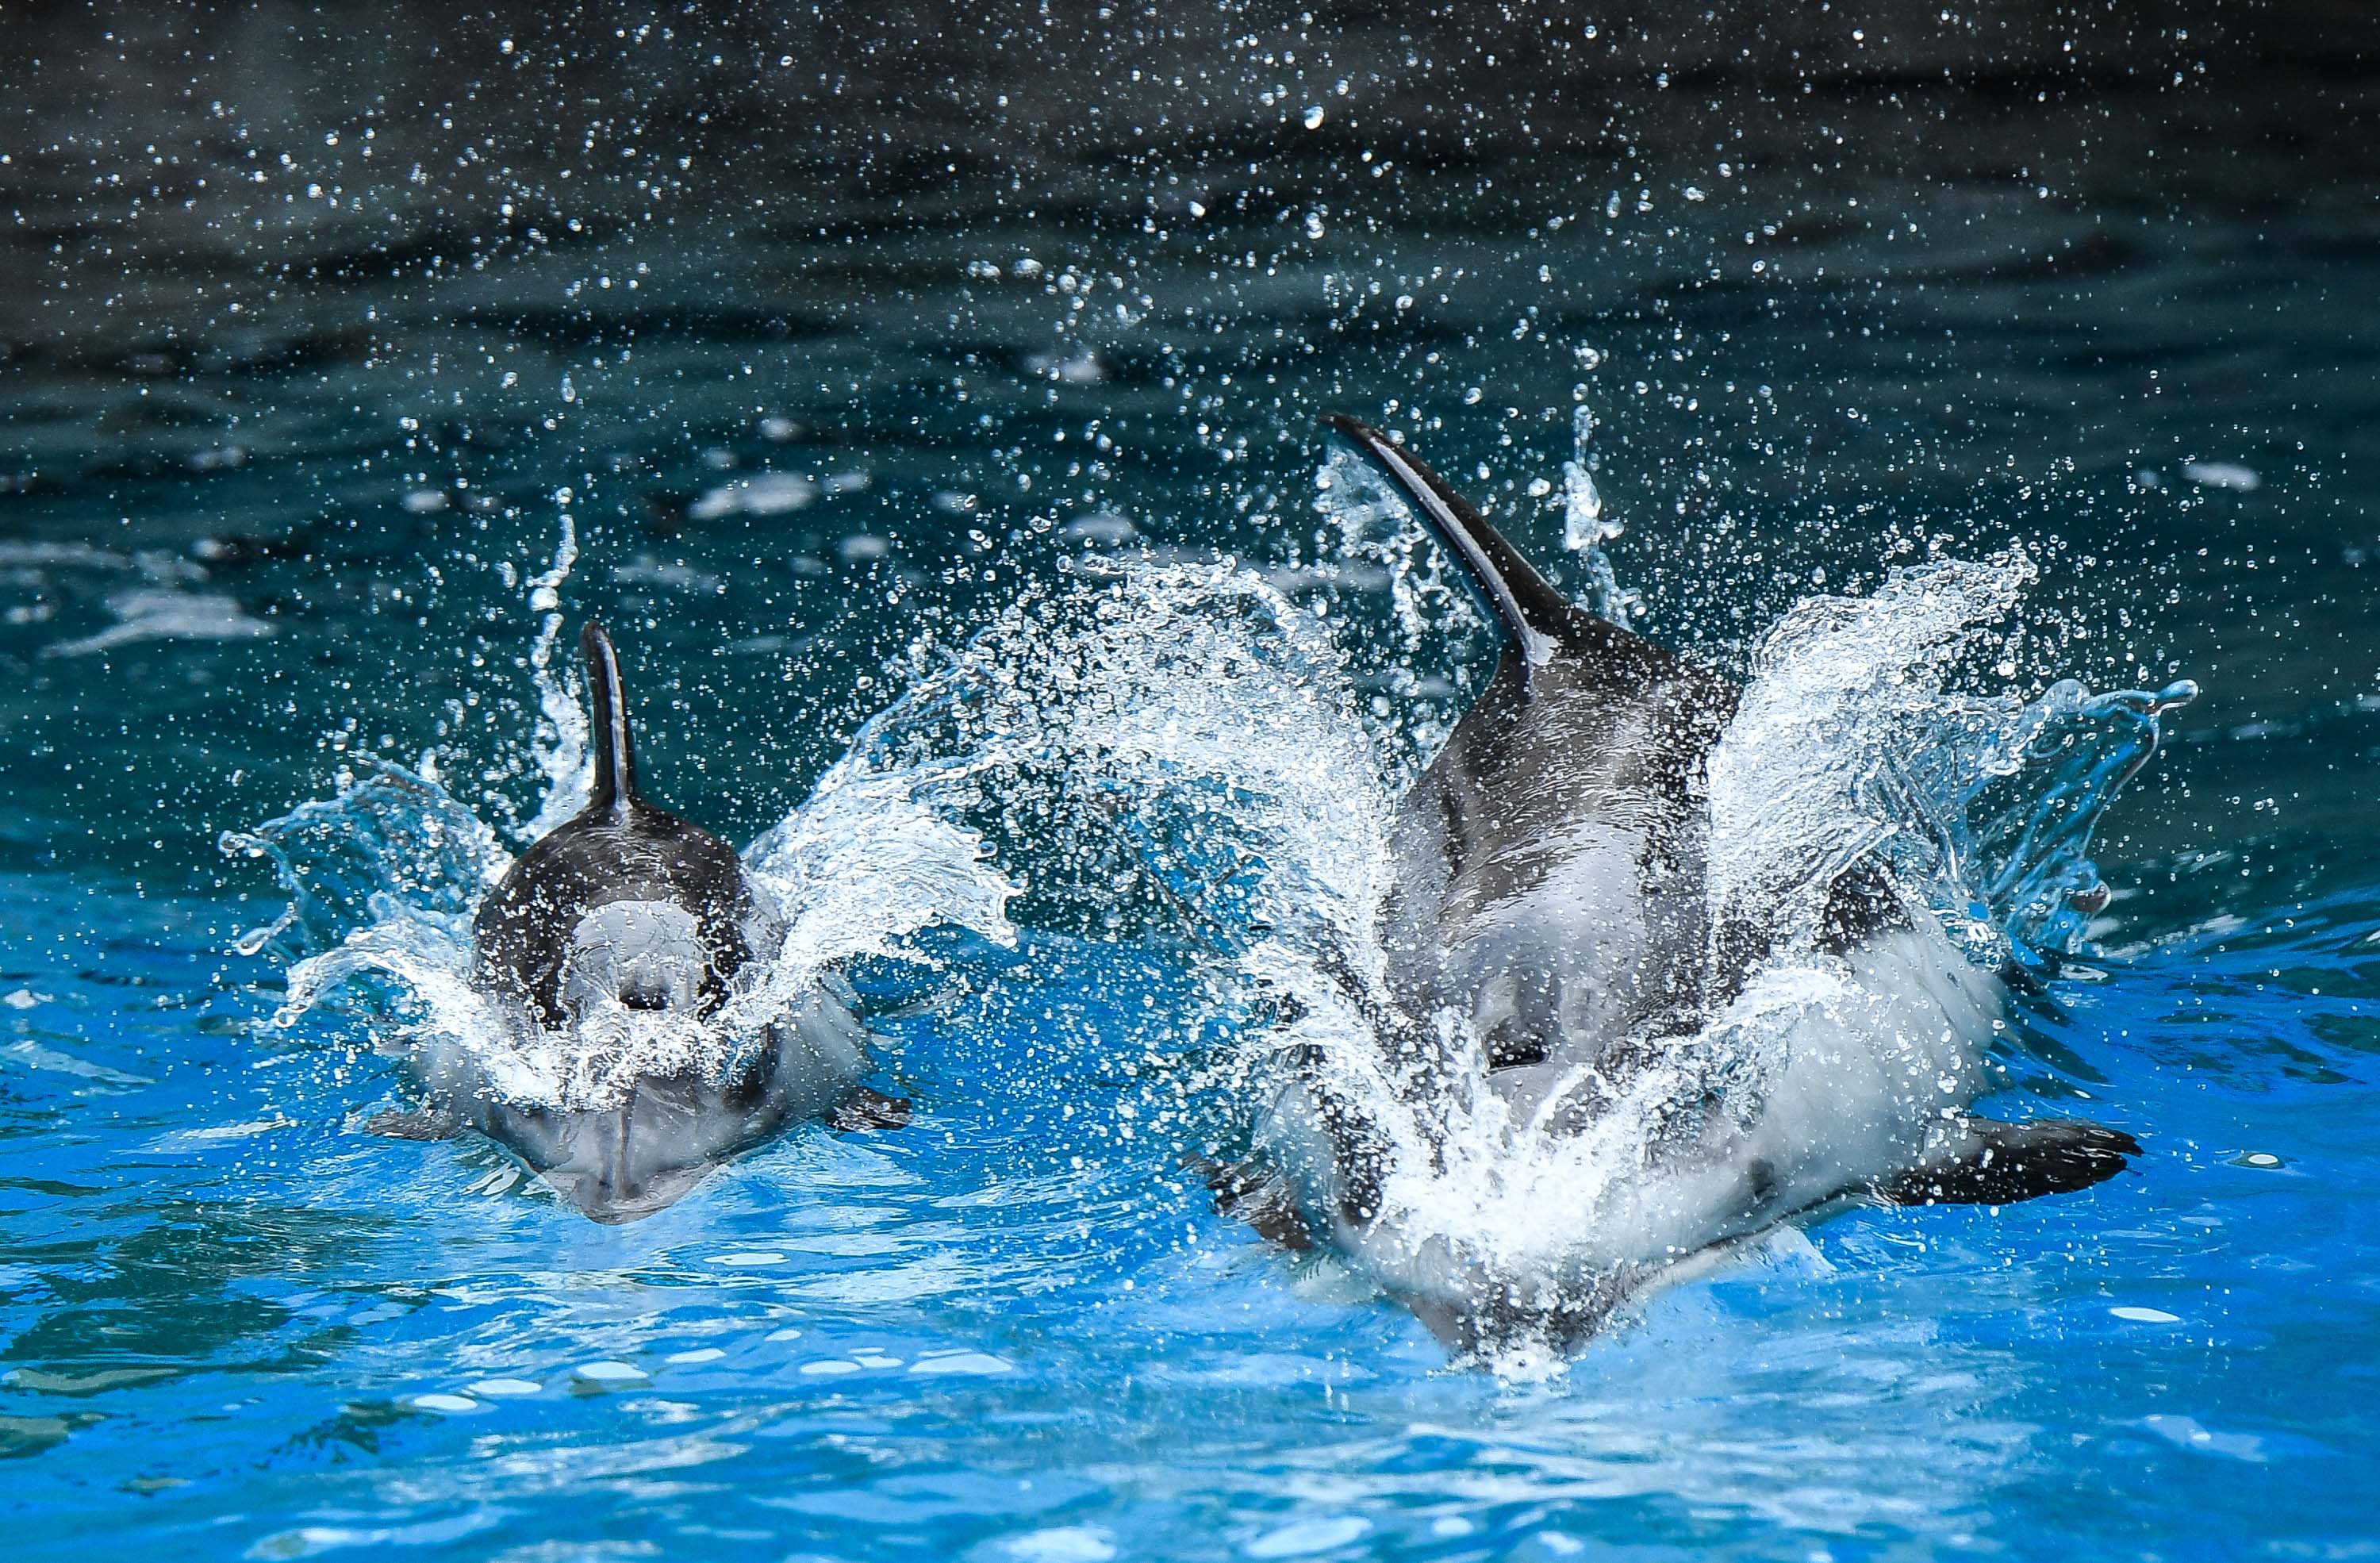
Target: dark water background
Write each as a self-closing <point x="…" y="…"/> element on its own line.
<point x="313" y="315"/>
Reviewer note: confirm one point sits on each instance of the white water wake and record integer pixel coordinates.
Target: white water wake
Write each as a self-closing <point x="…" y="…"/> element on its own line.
<point x="385" y="878"/>
<point x="1178" y="750"/>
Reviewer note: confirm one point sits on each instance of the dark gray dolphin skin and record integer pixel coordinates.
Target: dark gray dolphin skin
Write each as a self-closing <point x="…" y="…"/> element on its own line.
<point x="1549" y="890"/>
<point x="627" y="904"/>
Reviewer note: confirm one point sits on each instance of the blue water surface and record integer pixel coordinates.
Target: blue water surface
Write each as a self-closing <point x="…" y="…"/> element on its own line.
<point x="283" y="448"/>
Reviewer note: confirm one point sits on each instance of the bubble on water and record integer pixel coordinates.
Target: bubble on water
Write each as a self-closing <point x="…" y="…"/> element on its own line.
<point x="445" y="1405"/>
<point x="2260" y="1158"/>
<point x="2145" y="1315"/>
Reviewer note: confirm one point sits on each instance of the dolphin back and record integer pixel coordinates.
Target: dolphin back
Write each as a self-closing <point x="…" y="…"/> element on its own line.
<point x="621" y="847"/>
<point x="1544" y="627"/>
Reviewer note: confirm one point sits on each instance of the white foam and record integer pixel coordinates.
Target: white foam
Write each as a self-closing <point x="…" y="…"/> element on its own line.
<point x="445" y="1405"/>
<point x="1305" y="1537"/>
<point x="609" y="1372"/>
<point x="167" y="615"/>
<point x="2187" y="1433"/>
<point x="2228" y="475"/>
<point x="1062" y="1543"/>
<point x="764" y="493"/>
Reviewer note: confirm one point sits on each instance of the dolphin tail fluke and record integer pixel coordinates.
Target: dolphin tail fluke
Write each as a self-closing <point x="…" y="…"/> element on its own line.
<point x="1991" y="1161"/>
<point x="1542" y="623"/>
<point x="614" y="789"/>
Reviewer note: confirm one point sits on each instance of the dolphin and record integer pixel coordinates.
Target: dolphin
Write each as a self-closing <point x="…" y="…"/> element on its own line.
<point x="628" y="911"/>
<point x="1549" y="895"/>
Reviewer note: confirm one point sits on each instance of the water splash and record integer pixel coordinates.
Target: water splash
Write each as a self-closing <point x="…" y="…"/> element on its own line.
<point x="1849" y="741"/>
<point x="1585" y="528"/>
<point x="1149" y="745"/>
<point x="1431" y="611"/>
<point x="559" y="750"/>
<point x="1175" y="752"/>
<point x="385" y="876"/>
<point x="1265" y="815"/>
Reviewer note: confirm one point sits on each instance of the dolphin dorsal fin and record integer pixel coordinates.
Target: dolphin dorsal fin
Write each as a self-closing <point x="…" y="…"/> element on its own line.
<point x="1542" y="623"/>
<point x="614" y="789"/>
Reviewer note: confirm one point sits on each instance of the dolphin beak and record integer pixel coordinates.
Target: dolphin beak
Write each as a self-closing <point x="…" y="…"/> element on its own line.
<point x="615" y="1164"/>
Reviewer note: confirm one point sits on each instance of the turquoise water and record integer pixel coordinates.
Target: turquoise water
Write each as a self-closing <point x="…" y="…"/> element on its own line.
<point x="837" y="429"/>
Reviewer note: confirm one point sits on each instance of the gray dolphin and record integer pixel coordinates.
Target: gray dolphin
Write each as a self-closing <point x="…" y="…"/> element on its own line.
<point x="627" y="906"/>
<point x="1550" y="893"/>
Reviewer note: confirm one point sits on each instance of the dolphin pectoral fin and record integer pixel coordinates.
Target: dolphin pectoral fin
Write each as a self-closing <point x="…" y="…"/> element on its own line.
<point x="1991" y="1161"/>
<point x="865" y="1108"/>
<point x="438" y="1124"/>
<point x="1259" y="1196"/>
<point x="1541" y="622"/>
